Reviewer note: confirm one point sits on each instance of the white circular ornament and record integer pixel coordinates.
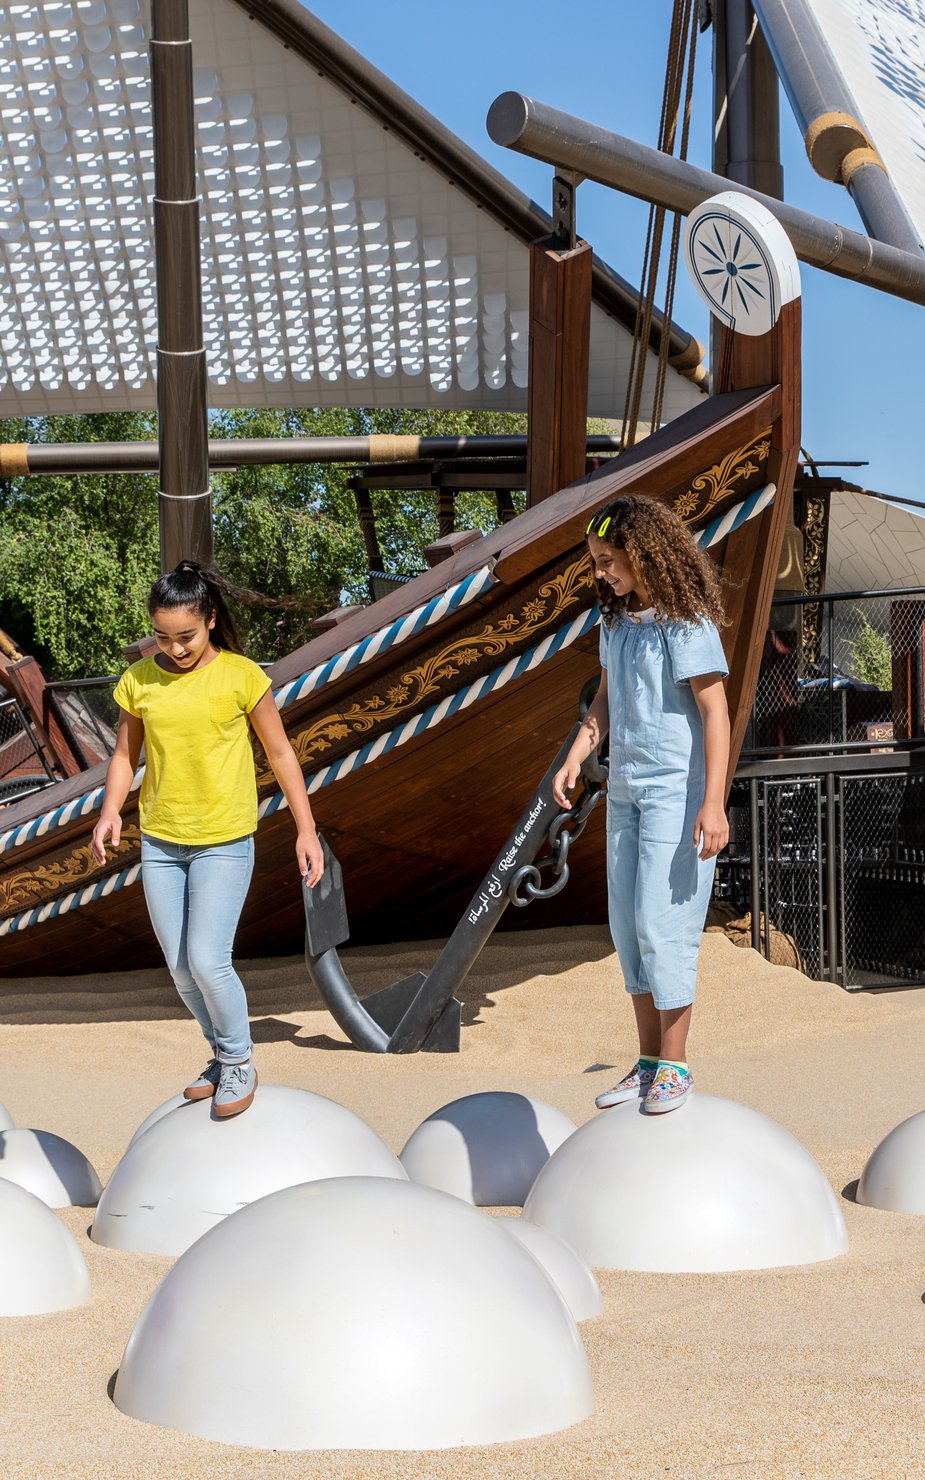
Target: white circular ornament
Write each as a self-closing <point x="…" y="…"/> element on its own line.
<point x="742" y="262"/>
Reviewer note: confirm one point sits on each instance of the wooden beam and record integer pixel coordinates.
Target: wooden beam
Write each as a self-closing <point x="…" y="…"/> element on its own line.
<point x="560" y="333"/>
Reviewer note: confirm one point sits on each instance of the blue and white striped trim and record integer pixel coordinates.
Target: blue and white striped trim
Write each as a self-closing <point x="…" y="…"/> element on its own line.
<point x="749" y="508"/>
<point x="387" y="637"/>
<point x="346" y="764"/>
<point x="362" y="652"/>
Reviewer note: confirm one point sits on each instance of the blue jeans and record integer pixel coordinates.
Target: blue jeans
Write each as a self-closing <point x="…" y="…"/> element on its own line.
<point x="195" y="896"/>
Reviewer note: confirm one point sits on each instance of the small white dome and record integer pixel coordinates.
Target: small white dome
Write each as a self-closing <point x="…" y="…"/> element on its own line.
<point x="486" y="1148"/>
<point x="189" y="1171"/>
<point x="362" y="1313"/>
<point x="41" y="1267"/>
<point x="894" y="1177"/>
<point x="6" y="1120"/>
<point x="50" y="1167"/>
<point x="570" y="1275"/>
<point x="710" y="1186"/>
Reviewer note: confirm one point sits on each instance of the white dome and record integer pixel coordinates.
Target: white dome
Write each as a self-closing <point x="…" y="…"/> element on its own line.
<point x="894" y="1177"/>
<point x="50" y="1167"/>
<point x="570" y="1275"/>
<point x="710" y="1186"/>
<point x="41" y="1267"/>
<point x="176" y="1102"/>
<point x="189" y="1171"/>
<point x="361" y="1313"/>
<point x="486" y="1148"/>
<point x="6" y="1120"/>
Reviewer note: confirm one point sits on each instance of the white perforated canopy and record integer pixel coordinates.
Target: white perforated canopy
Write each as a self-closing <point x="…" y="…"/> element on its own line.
<point x="341" y="264"/>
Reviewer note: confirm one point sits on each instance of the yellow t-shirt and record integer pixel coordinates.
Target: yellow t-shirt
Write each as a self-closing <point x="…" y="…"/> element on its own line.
<point x="199" y="784"/>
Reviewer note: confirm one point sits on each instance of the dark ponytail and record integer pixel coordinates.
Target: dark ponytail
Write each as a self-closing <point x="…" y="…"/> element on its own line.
<point x="202" y="591"/>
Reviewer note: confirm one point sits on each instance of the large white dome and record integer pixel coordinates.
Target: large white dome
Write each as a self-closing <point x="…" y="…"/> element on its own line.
<point x="711" y="1186"/>
<point x="356" y="1313"/>
<point x="6" y="1120"/>
<point x="486" y="1148"/>
<point x="41" y="1267"/>
<point x="49" y="1166"/>
<point x="188" y="1171"/>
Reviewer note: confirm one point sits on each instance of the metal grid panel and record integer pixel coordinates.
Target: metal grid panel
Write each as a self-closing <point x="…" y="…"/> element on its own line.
<point x="339" y="266"/>
<point x="882" y="880"/>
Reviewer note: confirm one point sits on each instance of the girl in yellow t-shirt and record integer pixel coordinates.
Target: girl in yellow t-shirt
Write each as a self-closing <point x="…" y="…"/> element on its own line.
<point x="191" y="705"/>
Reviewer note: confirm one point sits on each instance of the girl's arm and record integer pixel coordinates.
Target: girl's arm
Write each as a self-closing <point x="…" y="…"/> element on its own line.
<point x="711" y="827"/>
<point x="122" y="767"/>
<point x="285" y="765"/>
<point x="594" y="727"/>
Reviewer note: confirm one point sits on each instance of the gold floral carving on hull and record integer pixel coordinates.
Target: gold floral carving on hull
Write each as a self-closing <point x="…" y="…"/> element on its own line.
<point x="433" y="674"/>
<point x="718" y="483"/>
<point x="21" y="890"/>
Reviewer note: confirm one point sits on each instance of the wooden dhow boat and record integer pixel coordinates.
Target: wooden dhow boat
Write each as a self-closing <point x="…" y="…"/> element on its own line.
<point x="423" y="722"/>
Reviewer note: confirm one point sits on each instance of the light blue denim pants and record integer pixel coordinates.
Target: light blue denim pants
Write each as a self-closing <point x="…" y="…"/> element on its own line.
<point x="195" y="896"/>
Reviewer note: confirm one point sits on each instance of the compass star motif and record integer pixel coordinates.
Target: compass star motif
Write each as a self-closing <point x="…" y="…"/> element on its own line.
<point x="732" y="269"/>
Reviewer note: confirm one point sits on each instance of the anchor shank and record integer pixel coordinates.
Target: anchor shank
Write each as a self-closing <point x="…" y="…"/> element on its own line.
<point x="485" y="909"/>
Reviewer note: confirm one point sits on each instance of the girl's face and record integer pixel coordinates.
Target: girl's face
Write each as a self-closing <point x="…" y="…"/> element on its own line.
<point x="183" y="636"/>
<point x="613" y="566"/>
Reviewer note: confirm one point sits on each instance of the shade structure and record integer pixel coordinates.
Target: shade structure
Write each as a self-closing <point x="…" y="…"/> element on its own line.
<point x="569" y="1273"/>
<point x="486" y="1148"/>
<point x="50" y="1167"/>
<point x="354" y="253"/>
<point x="41" y="1267"/>
<point x="369" y="1314"/>
<point x="710" y="1186"/>
<point x="894" y="1177"/>
<point x="188" y="1171"/>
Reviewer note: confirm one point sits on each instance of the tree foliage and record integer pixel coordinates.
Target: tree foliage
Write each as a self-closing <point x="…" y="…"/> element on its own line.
<point x="78" y="554"/>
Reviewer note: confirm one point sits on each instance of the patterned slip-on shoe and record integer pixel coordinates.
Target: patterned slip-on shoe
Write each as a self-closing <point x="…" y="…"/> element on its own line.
<point x="205" y="1085"/>
<point x="670" y="1088"/>
<point x="631" y="1087"/>
<point x="235" y="1089"/>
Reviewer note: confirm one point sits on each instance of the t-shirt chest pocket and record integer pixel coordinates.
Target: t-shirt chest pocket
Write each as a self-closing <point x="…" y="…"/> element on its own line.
<point x="224" y="709"/>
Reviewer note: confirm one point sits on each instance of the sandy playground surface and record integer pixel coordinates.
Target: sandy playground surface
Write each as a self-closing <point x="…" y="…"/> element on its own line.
<point x="812" y="1371"/>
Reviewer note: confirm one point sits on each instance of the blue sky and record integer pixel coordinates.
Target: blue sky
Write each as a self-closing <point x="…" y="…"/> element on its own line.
<point x="603" y="60"/>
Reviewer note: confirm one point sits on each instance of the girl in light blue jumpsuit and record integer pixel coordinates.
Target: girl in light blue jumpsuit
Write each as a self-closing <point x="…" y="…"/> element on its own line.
<point x="661" y="698"/>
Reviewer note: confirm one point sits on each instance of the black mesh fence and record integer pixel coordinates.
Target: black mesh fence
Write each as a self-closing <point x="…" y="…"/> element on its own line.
<point x="835" y="862"/>
<point x="22" y="766"/>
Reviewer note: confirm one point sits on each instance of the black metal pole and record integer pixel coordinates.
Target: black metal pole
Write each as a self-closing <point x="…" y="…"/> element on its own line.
<point x="35" y="458"/>
<point x="532" y="128"/>
<point x="184" y="500"/>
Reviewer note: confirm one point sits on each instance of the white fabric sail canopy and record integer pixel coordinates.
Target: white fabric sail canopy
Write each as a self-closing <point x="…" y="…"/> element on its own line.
<point x="879" y="47"/>
<point x="340" y="265"/>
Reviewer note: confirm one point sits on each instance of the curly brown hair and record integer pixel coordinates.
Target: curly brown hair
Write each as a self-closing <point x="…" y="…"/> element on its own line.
<point x="680" y="578"/>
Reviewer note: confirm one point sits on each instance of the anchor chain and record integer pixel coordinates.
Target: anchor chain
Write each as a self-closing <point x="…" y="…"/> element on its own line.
<point x="564" y="828"/>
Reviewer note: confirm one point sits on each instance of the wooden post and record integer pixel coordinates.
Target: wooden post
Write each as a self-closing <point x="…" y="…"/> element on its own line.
<point x="560" y="333"/>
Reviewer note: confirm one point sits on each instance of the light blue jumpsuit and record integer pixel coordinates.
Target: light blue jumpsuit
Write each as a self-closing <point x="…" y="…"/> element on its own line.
<point x="658" y="889"/>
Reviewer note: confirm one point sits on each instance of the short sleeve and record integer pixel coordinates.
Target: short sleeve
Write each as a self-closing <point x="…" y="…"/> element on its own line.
<point x="256" y="684"/>
<point x="125" y="693"/>
<point x="695" y="649"/>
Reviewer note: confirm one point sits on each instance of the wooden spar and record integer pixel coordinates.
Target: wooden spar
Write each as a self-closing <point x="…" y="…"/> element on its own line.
<point x="184" y="500"/>
<point x="560" y="335"/>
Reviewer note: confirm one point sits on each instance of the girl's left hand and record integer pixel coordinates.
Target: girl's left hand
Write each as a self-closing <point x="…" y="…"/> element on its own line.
<point x="711" y="831"/>
<point x="311" y="859"/>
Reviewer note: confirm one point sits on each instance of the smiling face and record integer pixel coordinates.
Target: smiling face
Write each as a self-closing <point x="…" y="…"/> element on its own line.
<point x="183" y="637"/>
<point x="614" y="567"/>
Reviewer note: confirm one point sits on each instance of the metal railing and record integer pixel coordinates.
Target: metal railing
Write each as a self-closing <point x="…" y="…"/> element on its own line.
<point x="841" y="672"/>
<point x="23" y="766"/>
<point x="89" y="713"/>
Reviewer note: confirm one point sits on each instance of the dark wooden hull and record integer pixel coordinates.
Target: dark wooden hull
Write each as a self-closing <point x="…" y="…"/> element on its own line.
<point x="416" y="828"/>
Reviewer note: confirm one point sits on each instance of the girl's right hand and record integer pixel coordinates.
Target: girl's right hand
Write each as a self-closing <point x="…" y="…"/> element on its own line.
<point x="565" y="779"/>
<point x="111" y="823"/>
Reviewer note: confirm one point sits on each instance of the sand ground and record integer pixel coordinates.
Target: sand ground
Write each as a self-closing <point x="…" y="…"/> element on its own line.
<point x="812" y="1371"/>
